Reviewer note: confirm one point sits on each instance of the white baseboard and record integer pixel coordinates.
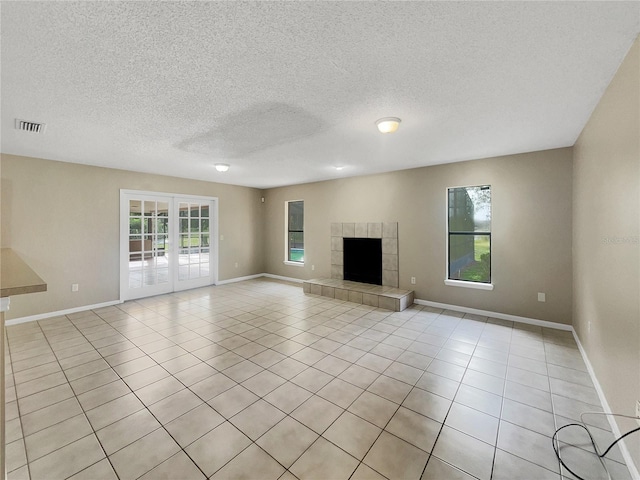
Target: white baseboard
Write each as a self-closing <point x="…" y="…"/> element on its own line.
<point x="633" y="471"/>
<point x="267" y="275"/>
<point x="280" y="277"/>
<point x="239" y="279"/>
<point x="501" y="316"/>
<point x="42" y="316"/>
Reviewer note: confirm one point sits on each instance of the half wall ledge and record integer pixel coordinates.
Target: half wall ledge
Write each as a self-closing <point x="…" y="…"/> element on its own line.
<point x="389" y="298"/>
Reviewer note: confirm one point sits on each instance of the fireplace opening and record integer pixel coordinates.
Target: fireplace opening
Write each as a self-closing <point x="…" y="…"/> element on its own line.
<point x="363" y="260"/>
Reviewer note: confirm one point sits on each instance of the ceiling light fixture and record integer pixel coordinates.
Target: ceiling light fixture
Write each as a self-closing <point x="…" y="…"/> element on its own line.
<point x="222" y="167"/>
<point x="388" y="124"/>
<point x="339" y="168"/>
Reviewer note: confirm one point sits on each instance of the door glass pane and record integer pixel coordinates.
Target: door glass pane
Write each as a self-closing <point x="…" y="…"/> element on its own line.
<point x="135" y="225"/>
<point x="195" y="225"/>
<point x="194" y="271"/>
<point x="162" y="243"/>
<point x="135" y="247"/>
<point x="149" y="208"/>
<point x="149" y="277"/>
<point x="183" y="210"/>
<point x="183" y="272"/>
<point x="204" y="225"/>
<point x="163" y="225"/>
<point x="148" y="243"/>
<point x="163" y="275"/>
<point x="135" y="208"/>
<point x="135" y="278"/>
<point x="163" y="209"/>
<point x="204" y="211"/>
<point x="195" y="211"/>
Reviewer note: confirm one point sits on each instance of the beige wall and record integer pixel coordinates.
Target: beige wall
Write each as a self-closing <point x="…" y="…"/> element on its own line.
<point x="63" y="219"/>
<point x="606" y="240"/>
<point x="531" y="228"/>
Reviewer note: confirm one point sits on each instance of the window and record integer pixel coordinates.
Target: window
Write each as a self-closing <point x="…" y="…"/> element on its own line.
<point x="469" y="236"/>
<point x="295" y="232"/>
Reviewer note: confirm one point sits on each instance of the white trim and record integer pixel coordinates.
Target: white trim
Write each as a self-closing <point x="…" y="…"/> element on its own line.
<point x="293" y="264"/>
<point x="165" y="194"/>
<point x="259" y="275"/>
<point x="43" y="316"/>
<point x="280" y="277"/>
<point x="467" y="284"/>
<point x="4" y="303"/>
<point x="239" y="279"/>
<point x="501" y="316"/>
<point x="633" y="471"/>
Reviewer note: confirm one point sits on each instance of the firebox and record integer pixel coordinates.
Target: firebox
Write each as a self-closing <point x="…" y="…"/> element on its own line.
<point x="363" y="260"/>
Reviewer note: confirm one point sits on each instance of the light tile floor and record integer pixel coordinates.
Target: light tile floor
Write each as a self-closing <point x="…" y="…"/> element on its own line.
<point x="258" y="380"/>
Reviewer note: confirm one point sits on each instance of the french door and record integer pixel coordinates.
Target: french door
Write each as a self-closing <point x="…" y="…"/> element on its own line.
<point x="167" y="243"/>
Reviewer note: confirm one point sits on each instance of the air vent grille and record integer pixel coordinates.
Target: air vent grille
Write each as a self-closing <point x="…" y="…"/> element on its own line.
<point x="33" y="127"/>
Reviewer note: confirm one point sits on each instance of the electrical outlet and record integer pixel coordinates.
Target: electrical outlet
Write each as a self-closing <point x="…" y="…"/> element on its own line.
<point x="236" y="264"/>
<point x="75" y="287"/>
<point x="542" y="297"/>
<point x="221" y="237"/>
<point x="638" y="411"/>
<point x="313" y="267"/>
<point x="413" y="280"/>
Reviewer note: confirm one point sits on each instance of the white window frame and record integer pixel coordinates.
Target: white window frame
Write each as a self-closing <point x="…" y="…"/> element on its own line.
<point x="464" y="283"/>
<point x="286" y="233"/>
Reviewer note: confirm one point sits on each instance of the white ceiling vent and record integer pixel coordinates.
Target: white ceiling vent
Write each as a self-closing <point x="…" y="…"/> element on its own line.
<point x="30" y="126"/>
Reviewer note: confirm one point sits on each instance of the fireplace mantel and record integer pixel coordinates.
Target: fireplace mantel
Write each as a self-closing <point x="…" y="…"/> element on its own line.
<point x="387" y="231"/>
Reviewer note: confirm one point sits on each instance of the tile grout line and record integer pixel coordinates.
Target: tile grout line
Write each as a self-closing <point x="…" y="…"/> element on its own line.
<point x="321" y="321"/>
<point x="78" y="401"/>
<point x="449" y="410"/>
<point x="15" y="386"/>
<point x="150" y="412"/>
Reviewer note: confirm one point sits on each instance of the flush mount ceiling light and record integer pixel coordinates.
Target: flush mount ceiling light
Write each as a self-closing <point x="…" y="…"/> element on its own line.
<point x="339" y="168"/>
<point x="388" y="124"/>
<point x="222" y="167"/>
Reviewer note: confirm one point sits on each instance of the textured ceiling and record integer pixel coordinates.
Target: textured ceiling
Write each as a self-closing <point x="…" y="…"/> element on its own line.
<point x="286" y="91"/>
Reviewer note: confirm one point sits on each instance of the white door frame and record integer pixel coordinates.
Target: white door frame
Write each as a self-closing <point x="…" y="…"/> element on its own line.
<point x="172" y="199"/>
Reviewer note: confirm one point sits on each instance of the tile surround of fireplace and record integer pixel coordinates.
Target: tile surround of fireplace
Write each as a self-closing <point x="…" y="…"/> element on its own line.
<point x="387" y="231"/>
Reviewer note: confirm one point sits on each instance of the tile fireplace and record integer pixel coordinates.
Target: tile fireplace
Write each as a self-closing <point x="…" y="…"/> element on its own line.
<point x="387" y="232"/>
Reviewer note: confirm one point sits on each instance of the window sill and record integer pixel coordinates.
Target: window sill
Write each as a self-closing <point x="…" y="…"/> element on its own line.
<point x="294" y="264"/>
<point x="462" y="283"/>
